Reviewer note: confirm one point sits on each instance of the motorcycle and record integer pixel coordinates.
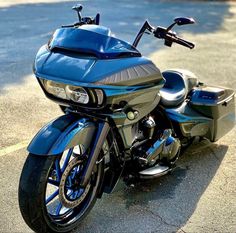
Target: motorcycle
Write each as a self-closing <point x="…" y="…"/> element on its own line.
<point x="123" y="119"/>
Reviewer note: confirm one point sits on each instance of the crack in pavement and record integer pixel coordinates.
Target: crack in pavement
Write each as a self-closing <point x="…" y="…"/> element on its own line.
<point x="181" y="230"/>
<point x="162" y="220"/>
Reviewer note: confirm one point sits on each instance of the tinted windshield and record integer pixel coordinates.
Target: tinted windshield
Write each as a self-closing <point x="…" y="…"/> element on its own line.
<point x="91" y="42"/>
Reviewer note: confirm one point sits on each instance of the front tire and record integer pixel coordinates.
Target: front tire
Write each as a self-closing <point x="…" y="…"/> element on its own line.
<point x="43" y="205"/>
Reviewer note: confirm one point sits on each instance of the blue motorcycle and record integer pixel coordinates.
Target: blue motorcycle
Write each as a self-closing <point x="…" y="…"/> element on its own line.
<point x="123" y="118"/>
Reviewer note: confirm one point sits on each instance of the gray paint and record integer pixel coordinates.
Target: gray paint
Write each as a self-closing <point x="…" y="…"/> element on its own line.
<point x="142" y="101"/>
<point x="135" y="75"/>
<point x="221" y="110"/>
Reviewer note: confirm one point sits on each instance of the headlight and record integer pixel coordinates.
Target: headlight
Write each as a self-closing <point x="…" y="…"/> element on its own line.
<point x="54" y="88"/>
<point x="100" y="96"/>
<point x="76" y="94"/>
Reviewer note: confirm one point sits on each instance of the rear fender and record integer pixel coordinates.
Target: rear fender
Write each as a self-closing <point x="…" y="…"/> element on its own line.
<point x="61" y="134"/>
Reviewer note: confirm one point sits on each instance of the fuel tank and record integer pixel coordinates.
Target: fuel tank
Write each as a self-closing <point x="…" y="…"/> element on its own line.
<point x="90" y="57"/>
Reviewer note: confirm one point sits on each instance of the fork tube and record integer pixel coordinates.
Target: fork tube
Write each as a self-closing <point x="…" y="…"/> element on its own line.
<point x="102" y="132"/>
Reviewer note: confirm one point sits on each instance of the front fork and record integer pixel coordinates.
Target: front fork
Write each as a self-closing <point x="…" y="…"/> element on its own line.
<point x="102" y="132"/>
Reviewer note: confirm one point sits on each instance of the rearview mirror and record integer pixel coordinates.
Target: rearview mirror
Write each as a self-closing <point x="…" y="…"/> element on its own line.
<point x="183" y="20"/>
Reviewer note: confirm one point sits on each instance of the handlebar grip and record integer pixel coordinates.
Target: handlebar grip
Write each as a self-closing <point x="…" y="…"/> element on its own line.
<point x="184" y="42"/>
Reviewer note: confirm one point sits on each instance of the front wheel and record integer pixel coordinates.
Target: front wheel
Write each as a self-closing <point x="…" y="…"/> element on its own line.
<point x="50" y="196"/>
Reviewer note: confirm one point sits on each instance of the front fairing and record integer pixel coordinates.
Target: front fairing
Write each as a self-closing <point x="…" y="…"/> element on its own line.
<point x="77" y="69"/>
<point x="133" y="80"/>
<point x="59" y="66"/>
<point x="89" y="55"/>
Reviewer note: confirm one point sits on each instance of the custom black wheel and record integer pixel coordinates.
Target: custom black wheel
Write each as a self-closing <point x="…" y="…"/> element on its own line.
<point x="50" y="196"/>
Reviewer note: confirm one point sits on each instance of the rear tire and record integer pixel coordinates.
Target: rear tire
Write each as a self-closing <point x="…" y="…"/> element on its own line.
<point x="38" y="174"/>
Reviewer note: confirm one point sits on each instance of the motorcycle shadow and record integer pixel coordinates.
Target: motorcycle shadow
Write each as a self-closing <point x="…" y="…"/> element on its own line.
<point x="160" y="205"/>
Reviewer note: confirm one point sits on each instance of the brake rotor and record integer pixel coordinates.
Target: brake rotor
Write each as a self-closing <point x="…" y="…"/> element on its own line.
<point x="70" y="192"/>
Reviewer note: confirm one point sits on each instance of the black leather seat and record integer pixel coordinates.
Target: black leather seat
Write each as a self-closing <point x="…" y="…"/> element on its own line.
<point x="177" y="86"/>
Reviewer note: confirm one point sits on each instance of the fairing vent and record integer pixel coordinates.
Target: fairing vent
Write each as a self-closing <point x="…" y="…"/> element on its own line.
<point x="144" y="73"/>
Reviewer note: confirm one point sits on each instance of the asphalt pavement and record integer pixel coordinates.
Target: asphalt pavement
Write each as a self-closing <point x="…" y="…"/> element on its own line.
<point x="200" y="195"/>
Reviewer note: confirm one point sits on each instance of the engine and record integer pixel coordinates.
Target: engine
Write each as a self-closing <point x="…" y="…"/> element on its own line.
<point x="154" y="144"/>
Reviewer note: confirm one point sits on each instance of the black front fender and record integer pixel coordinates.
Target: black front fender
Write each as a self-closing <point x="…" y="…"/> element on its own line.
<point x="61" y="134"/>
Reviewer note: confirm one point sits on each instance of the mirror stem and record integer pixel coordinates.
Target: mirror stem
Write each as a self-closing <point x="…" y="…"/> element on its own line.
<point x="171" y="26"/>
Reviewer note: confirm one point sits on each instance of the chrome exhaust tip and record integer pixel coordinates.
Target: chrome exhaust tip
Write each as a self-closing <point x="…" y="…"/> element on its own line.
<point x="154" y="172"/>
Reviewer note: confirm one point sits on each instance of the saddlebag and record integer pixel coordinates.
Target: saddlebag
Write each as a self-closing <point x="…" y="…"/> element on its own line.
<point x="218" y="104"/>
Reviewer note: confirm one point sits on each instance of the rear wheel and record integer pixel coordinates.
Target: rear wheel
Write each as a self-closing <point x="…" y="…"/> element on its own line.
<point x="50" y="196"/>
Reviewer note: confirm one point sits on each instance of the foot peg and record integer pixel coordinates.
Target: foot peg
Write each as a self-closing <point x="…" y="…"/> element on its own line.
<point x="153" y="172"/>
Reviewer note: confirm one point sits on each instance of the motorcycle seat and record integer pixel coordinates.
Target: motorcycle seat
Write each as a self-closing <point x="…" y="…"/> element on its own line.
<point x="177" y="86"/>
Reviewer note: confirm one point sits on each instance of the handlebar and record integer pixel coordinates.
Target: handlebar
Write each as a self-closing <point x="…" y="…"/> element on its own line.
<point x="170" y="37"/>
